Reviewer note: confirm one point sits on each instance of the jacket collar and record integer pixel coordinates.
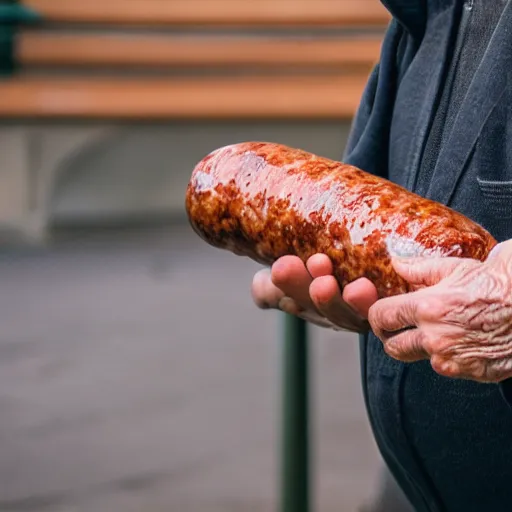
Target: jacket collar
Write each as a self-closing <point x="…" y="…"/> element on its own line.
<point x="413" y="15"/>
<point x="490" y="81"/>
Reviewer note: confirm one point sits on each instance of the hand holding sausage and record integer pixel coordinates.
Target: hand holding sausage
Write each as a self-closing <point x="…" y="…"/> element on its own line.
<point x="460" y="320"/>
<point x="311" y="292"/>
<point x="268" y="201"/>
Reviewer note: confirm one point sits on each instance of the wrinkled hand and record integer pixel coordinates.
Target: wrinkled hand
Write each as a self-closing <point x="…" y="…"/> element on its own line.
<point x="311" y="292"/>
<point x="459" y="317"/>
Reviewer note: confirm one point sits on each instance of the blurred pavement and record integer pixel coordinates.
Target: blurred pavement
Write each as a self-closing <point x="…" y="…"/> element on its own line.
<point x="136" y="375"/>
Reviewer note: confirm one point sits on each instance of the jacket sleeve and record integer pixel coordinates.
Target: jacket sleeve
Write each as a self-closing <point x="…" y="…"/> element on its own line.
<point x="368" y="142"/>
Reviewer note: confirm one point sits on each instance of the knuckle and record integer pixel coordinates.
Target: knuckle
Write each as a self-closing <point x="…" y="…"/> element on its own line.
<point x="431" y="307"/>
<point x="445" y="367"/>
<point x="374" y="316"/>
<point x="431" y="346"/>
<point x="400" y="350"/>
<point x="424" y="307"/>
<point x="392" y="349"/>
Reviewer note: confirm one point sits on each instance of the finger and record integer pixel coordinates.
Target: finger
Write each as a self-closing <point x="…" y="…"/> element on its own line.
<point x="326" y="295"/>
<point x="360" y="295"/>
<point x="395" y="313"/>
<point x="470" y="369"/>
<point x="291" y="276"/>
<point x="319" y="265"/>
<point x="427" y="271"/>
<point x="290" y="307"/>
<point x="495" y="252"/>
<point x="407" y="346"/>
<point x="264" y="293"/>
<point x="268" y="296"/>
<point x="502" y="250"/>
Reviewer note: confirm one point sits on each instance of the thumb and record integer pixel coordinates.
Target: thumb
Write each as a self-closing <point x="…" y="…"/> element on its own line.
<point x="426" y="271"/>
<point x="501" y="251"/>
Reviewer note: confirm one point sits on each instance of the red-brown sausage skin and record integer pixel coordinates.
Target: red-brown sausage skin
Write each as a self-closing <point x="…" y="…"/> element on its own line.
<point x="266" y="200"/>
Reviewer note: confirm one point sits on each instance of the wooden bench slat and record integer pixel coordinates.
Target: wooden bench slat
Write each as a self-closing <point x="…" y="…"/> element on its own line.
<point x="36" y="48"/>
<point x="214" y="12"/>
<point x="101" y="98"/>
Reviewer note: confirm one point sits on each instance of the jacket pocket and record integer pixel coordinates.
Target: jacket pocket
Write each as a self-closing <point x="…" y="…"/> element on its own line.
<point x="498" y="198"/>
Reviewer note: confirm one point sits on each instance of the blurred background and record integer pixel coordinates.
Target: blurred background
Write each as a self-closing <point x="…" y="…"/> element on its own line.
<point x="135" y="372"/>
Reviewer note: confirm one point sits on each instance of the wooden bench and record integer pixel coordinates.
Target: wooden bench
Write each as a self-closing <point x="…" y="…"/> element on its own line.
<point x="214" y="12"/>
<point x="194" y="59"/>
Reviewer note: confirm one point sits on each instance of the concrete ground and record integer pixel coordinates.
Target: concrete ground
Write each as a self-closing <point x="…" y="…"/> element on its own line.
<point x="137" y="376"/>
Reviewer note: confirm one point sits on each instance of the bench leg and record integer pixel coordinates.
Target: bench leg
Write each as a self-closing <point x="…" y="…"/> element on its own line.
<point x="295" y="481"/>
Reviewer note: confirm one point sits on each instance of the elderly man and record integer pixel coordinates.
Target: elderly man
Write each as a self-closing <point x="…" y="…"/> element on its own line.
<point x="436" y="118"/>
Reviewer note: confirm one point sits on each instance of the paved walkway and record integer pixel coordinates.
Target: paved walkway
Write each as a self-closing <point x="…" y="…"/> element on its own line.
<point x="136" y="376"/>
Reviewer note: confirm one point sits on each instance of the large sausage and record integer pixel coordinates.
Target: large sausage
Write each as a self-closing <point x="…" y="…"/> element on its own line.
<point x="266" y="200"/>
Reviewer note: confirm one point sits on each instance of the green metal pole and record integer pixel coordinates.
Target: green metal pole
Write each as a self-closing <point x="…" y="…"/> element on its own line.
<point x="295" y="478"/>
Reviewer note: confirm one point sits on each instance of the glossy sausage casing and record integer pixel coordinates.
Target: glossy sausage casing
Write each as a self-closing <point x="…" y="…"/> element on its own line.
<point x="266" y="200"/>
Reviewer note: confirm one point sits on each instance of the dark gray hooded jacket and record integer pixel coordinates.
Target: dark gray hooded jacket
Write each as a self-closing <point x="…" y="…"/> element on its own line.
<point x="448" y="442"/>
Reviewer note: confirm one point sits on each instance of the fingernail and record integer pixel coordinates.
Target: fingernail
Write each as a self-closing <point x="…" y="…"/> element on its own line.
<point x="285" y="303"/>
<point x="289" y="306"/>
